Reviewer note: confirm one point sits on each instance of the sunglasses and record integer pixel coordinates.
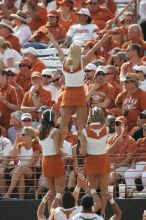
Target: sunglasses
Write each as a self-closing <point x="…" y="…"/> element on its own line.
<point x="26" y="120"/>
<point x="88" y="71"/>
<point x="11" y="74"/>
<point x="109" y="73"/>
<point x="23" y="134"/>
<point x="46" y="76"/>
<point x="93" y="3"/>
<point x="100" y="73"/>
<point x="22" y="65"/>
<point x="117" y="123"/>
<point x="129" y="81"/>
<point x="55" y="80"/>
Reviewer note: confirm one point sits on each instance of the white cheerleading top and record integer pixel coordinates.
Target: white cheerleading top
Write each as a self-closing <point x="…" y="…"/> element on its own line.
<point x="25" y="155"/>
<point x="60" y="213"/>
<point x="96" y="136"/>
<point x="48" y="145"/>
<point x="74" y="79"/>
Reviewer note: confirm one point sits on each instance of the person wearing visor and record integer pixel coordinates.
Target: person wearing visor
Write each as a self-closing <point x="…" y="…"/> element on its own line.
<point x="121" y="148"/>
<point x="131" y="100"/>
<point x="89" y="70"/>
<point x="141" y="72"/>
<point x="101" y="93"/>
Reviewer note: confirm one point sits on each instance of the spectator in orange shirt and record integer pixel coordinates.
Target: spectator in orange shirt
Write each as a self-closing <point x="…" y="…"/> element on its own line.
<point x="89" y="70"/>
<point x="67" y="16"/>
<point x="132" y="100"/>
<point x="40" y="39"/>
<point x="133" y="53"/>
<point x="122" y="147"/>
<point x="135" y="36"/>
<point x="6" y="31"/>
<point x="7" y="8"/>
<point x="101" y="93"/>
<point x="24" y="76"/>
<point x="100" y="15"/>
<point x="12" y="80"/>
<point x="37" y="14"/>
<point x="8" y="100"/>
<point x="35" y="97"/>
<point x="108" y="4"/>
<point x="37" y="64"/>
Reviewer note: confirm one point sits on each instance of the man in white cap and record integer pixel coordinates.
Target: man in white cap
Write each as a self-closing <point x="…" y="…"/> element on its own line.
<point x="141" y="71"/>
<point x="37" y="64"/>
<point x="47" y="83"/>
<point x="89" y="70"/>
<point x="82" y="31"/>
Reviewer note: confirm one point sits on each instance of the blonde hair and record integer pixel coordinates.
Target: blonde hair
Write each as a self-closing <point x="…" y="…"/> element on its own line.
<point x="32" y="132"/>
<point x="73" y="59"/>
<point x="4" y="44"/>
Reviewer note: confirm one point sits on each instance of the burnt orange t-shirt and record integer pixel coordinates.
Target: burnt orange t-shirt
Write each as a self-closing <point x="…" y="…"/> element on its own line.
<point x="42" y="13"/>
<point x="73" y="19"/>
<point x="13" y="10"/>
<point x="14" y="42"/>
<point x="24" y="82"/>
<point x="133" y="103"/>
<point x="38" y="66"/>
<point x="9" y="93"/>
<point x="119" y="154"/>
<point x="19" y="93"/>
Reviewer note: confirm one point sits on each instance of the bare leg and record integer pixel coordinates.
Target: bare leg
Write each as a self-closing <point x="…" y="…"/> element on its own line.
<point x="21" y="187"/>
<point x="65" y="117"/>
<point x="2" y="181"/>
<point x="81" y="116"/>
<point x="52" y="192"/>
<point x="103" y="182"/>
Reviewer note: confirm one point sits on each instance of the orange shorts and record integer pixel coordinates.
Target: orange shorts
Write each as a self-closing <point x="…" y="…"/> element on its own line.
<point x="74" y="96"/>
<point x="52" y="166"/>
<point x="96" y="164"/>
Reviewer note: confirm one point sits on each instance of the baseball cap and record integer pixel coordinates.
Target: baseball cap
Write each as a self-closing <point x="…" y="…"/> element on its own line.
<point x="25" y="61"/>
<point x="26" y="115"/>
<point x="84" y="11"/>
<point x="46" y="72"/>
<point x="11" y="69"/>
<point x="43" y="108"/>
<point x="101" y="69"/>
<point x="130" y="76"/>
<point x="30" y="50"/>
<point x="140" y="68"/>
<point x="53" y="13"/>
<point x="35" y="74"/>
<point x="91" y="66"/>
<point x="122" y="119"/>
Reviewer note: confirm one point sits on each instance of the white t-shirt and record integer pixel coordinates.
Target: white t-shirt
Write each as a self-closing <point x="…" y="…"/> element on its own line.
<point x="88" y="216"/>
<point x="60" y="213"/>
<point x="52" y="89"/>
<point x="80" y="33"/>
<point x="5" y="147"/>
<point x="11" y="53"/>
<point x="23" y="32"/>
<point x="142" y="85"/>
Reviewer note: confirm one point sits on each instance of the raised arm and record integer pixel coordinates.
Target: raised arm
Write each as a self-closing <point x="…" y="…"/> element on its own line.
<point x="96" y="46"/>
<point x="57" y="46"/>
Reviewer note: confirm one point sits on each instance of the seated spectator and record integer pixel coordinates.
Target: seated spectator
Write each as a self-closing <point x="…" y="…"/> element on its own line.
<point x="12" y="81"/>
<point x="35" y="97"/>
<point x="89" y="70"/>
<point x="8" y="100"/>
<point x="131" y="101"/>
<point x="40" y="39"/>
<point x="9" y="56"/>
<point x="139" y="131"/>
<point x="82" y="31"/>
<point x="121" y="147"/>
<point x="138" y="165"/>
<point x="24" y="76"/>
<point x="27" y="149"/>
<point x="21" y="29"/>
<point x="37" y="14"/>
<point x="118" y="60"/>
<point x="141" y="72"/>
<point x="16" y="126"/>
<point x="26" y="120"/>
<point x="47" y="84"/>
<point x="5" y="149"/>
<point x="135" y="37"/>
<point x="37" y="64"/>
<point x="100" y="14"/>
<point x="67" y="16"/>
<point x="7" y="7"/>
<point x="6" y="31"/>
<point x="133" y="53"/>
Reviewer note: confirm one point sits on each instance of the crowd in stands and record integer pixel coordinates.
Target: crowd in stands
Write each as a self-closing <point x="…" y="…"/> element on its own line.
<point x="79" y="128"/>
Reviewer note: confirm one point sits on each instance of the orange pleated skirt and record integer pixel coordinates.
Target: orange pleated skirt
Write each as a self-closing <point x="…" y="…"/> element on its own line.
<point x="52" y="166"/>
<point x="74" y="96"/>
<point x="96" y="164"/>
